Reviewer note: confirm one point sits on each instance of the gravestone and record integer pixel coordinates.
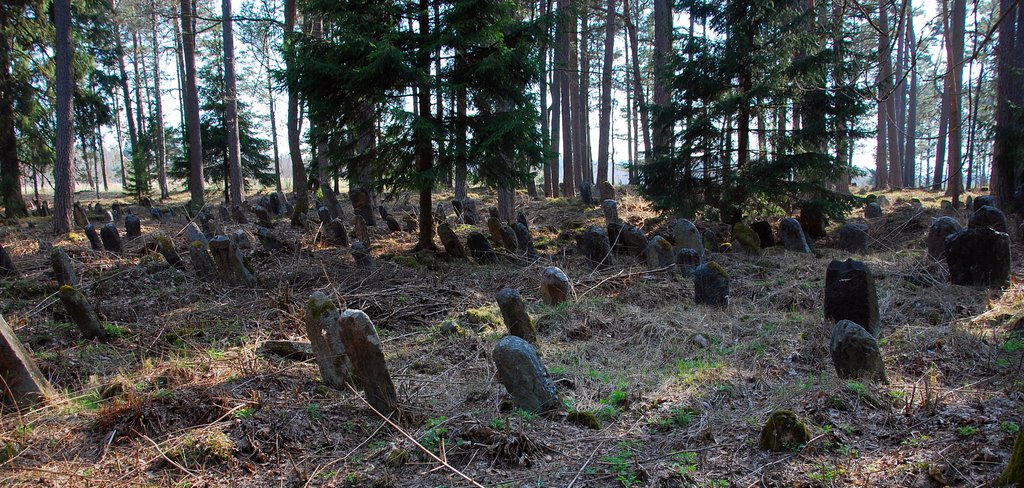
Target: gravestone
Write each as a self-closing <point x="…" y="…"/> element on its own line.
<point x="81" y="218"/>
<point x="610" y="210"/>
<point x="508" y="239"/>
<point x="229" y="262"/>
<point x="324" y="333"/>
<point x="494" y="228"/>
<point x="984" y="200"/>
<point x="132" y="226"/>
<point x="452" y="245"/>
<point x="521" y="218"/>
<point x="324" y="215"/>
<point x="111" y="239"/>
<point x="361" y="255"/>
<point x="711" y="285"/>
<point x="882" y="201"/>
<point x="764" y="233"/>
<point x="969" y="204"/>
<point x="242" y="239"/>
<point x="94" y="239"/>
<point x="202" y="261"/>
<point x="222" y="211"/>
<point x="855" y="353"/>
<point x="872" y="211"/>
<point x="336" y="233"/>
<point x="166" y="249"/>
<point x="193" y="234"/>
<point x="687" y="261"/>
<point x="554" y="286"/>
<point x="685" y="234"/>
<point x="369" y="370"/>
<point x="23" y="383"/>
<point x="412" y="226"/>
<point x="513" y="312"/>
<point x="988" y="217"/>
<point x="154" y="213"/>
<point x="7" y="267"/>
<point x="606" y="190"/>
<point x="392" y="223"/>
<point x="82" y="313"/>
<point x="271" y="242"/>
<point x="524" y="241"/>
<point x="466" y="209"/>
<point x="439" y="212"/>
<point x="586" y="193"/>
<point x="237" y="215"/>
<point x="362" y="205"/>
<point x="383" y="211"/>
<point x="782" y="432"/>
<point x="853" y="237"/>
<point x="627" y="239"/>
<point x="63" y="269"/>
<point x="813" y="221"/>
<point x="792" y="235"/>
<point x="596" y="247"/>
<point x="108" y="216"/>
<point x="492" y="212"/>
<point x="362" y="232"/>
<point x="940" y="229"/>
<point x="524" y="376"/>
<point x="711" y="242"/>
<point x="850" y="295"/>
<point x="263" y="217"/>
<point x="659" y="253"/>
<point x="745" y="236"/>
<point x="978" y="257"/>
<point x="480" y="248"/>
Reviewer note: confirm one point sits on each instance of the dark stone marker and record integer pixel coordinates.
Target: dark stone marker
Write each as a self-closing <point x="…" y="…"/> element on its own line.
<point x="22" y="383"/>
<point x="685" y="234"/>
<point x="362" y="204"/>
<point x="872" y="211"/>
<point x="711" y="285"/>
<point x="508" y="239"/>
<point x="7" y="267"/>
<point x="746" y="237"/>
<point x="606" y="190"/>
<point x="521" y="218"/>
<point x="81" y="218"/>
<point x="263" y="217"/>
<point x="412" y="225"/>
<point x="978" y="257"/>
<point x="111" y="239"/>
<point x="237" y="215"/>
<point x="792" y="235"/>
<point x="984" y="200"/>
<point x="393" y="224"/>
<point x="988" y="217"/>
<point x="480" y="248"/>
<point x="324" y="214"/>
<point x="82" y="313"/>
<point x="361" y="255"/>
<point x="362" y="231"/>
<point x="853" y="237"/>
<point x="451" y="242"/>
<point x="271" y="242"/>
<point x="941" y="228"/>
<point x="513" y="312"/>
<point x="554" y="286"/>
<point x="230" y="264"/>
<point x="813" y="222"/>
<point x="587" y="193"/>
<point x="369" y="370"/>
<point x="855" y="353"/>
<point x="166" y="248"/>
<point x="524" y="376"/>
<point x="627" y="239"/>
<point x="325" y="338"/>
<point x="596" y="247"/>
<point x="63" y="269"/>
<point x="94" y="239"/>
<point x="222" y="210"/>
<point x="336" y="233"/>
<point x="659" y="253"/>
<point x="687" y="260"/>
<point x="611" y="211"/>
<point x="383" y="211"/>
<point x="764" y="233"/>
<point x="783" y="431"/>
<point x="494" y="229"/>
<point x="132" y="227"/>
<point x="850" y="295"/>
<point x="524" y="241"/>
<point x="202" y="261"/>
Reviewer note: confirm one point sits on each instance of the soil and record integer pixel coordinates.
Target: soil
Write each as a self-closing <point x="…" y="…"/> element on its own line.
<point x="181" y="395"/>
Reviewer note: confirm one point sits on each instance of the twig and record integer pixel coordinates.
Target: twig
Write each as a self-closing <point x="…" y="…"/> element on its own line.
<point x="168" y="459"/>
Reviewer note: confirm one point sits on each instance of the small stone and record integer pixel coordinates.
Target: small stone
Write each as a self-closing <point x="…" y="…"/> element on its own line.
<point x="82" y="313"/>
<point x="513" y="312"/>
<point x="687" y="260"/>
<point x="882" y="201"/>
<point x="746" y="237"/>
<point x="764" y="233"/>
<point x="480" y="248"/>
<point x="701" y="341"/>
<point x="452" y="245"/>
<point x="685" y="234"/>
<point x="627" y="239"/>
<point x="711" y="285"/>
<point x="554" y="286"/>
<point x="872" y="211"/>
<point x="132" y="227"/>
<point x="855" y="353"/>
<point x="988" y="217"/>
<point x="792" y="235"/>
<point x="970" y="203"/>
<point x="324" y="333"/>
<point x="22" y="383"/>
<point x="111" y="239"/>
<point x="853" y="237"/>
<point x="611" y="211"/>
<point x="659" y="253"/>
<point x="271" y="242"/>
<point x="229" y="262"/>
<point x="606" y="190"/>
<point x="7" y="267"/>
<point x="242" y="239"/>
<point x="940" y="229"/>
<point x="369" y="370"/>
<point x="596" y="247"/>
<point x="361" y="255"/>
<point x="63" y="269"/>
<point x="978" y="257"/>
<point x="524" y="376"/>
<point x="850" y="295"/>
<point x="783" y="431"/>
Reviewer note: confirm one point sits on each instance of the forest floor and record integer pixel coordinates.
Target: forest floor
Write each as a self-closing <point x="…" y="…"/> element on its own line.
<point x="182" y="396"/>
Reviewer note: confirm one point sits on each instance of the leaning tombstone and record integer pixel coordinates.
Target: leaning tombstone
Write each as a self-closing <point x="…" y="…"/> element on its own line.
<point x="850" y="295"/>
<point x="81" y="218"/>
<point x="63" y="269"/>
<point x="524" y="376"/>
<point x="202" y="261"/>
<point x="524" y="241"/>
<point x="166" y="248"/>
<point x="513" y="312"/>
<point x="369" y="370"/>
<point x="508" y="239"/>
<point x="480" y="248"/>
<point x="23" y="383"/>
<point x="596" y="247"/>
<point x="132" y="227"/>
<point x="452" y="245"/>
<point x="242" y="240"/>
<point x="853" y="237"/>
<point x="384" y="214"/>
<point x="627" y="239"/>
<point x="940" y="229"/>
<point x="324" y="333"/>
<point x="521" y="218"/>
<point x="230" y="264"/>
<point x="362" y="204"/>
<point x="193" y="234"/>
<point x="94" y="239"/>
<point x="978" y="257"/>
<point x="494" y="228"/>
<point x="392" y="223"/>
<point x="659" y="253"/>
<point x="554" y="286"/>
<point x="606" y="190"/>
<point x="111" y="239"/>
<point x="792" y="235"/>
<point x="745" y="236"/>
<point x="855" y="353"/>
<point x="685" y="234"/>
<point x="7" y="267"/>
<point x="361" y="255"/>
<point x="82" y="313"/>
<point x="711" y="285"/>
<point x="336" y="233"/>
<point x="587" y="193"/>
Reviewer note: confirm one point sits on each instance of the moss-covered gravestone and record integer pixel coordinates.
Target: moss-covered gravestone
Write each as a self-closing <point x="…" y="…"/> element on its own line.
<point x="369" y="370"/>
<point x="63" y="269"/>
<point x="554" y="286"/>
<point x="325" y="337"/>
<point x="783" y="431"/>
<point x="745" y="237"/>
<point x="22" y="383"/>
<point x="513" y="311"/>
<point x="711" y="285"/>
<point x="202" y="261"/>
<point x="166" y="248"/>
<point x="480" y="248"/>
<point x="596" y="247"/>
<point x="659" y="253"/>
<point x="82" y="313"/>
<point x="524" y="376"/>
<point x="95" y="243"/>
<point x="193" y="234"/>
<point x="229" y="262"/>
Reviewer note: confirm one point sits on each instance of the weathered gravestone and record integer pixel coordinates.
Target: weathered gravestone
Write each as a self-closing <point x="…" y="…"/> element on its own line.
<point x="392" y="223"/>
<point x="783" y="431"/>
<point x="685" y="234"/>
<point x="202" y="261"/>
<point x="627" y="239"/>
<point x="587" y="193"/>
<point x="988" y="217"/>
<point x="978" y="257"/>
<point x="524" y="376"/>
<point x="554" y="286"/>
<point x="940" y="229"/>
<point x="63" y="270"/>
<point x="792" y="235"/>
<point x="984" y="200"/>
<point x="325" y="337"/>
<point x="94" y="239"/>
<point x="193" y="234"/>
<point x="7" y="267"/>
<point x="222" y="211"/>
<point x="23" y="383"/>
<point x="882" y="201"/>
<point x="132" y="227"/>
<point x="687" y="261"/>
<point x="336" y="233"/>
<point x="361" y="229"/>
<point x="596" y="247"/>
<point x="508" y="239"/>
<point x="361" y="255"/>
<point x="521" y="218"/>
<point x="480" y="248"/>
<point x="242" y="239"/>
<point x="746" y="238"/>
<point x="711" y="285"/>
<point x="764" y="233"/>
<point x="850" y="295"/>
<point x="524" y="241"/>
<point x="362" y="205"/>
<point x="611" y="211"/>
<point x="513" y="312"/>
<point x="229" y="262"/>
<point x="263" y="217"/>
<point x="366" y="355"/>
<point x="237" y="215"/>
<point x="853" y="237"/>
<point x="412" y="225"/>
<point x="872" y="211"/>
<point x="606" y="190"/>
<point x="659" y="253"/>
<point x="111" y="239"/>
<point x="813" y="221"/>
<point x="82" y="313"/>
<point x="166" y="249"/>
<point x="466" y="210"/>
<point x="452" y="245"/>
<point x="81" y="218"/>
<point x="855" y="353"/>
<point x="270" y="241"/>
<point x="494" y="228"/>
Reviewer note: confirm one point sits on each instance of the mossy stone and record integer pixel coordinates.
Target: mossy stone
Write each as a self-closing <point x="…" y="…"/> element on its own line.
<point x="748" y="239"/>
<point x="1013" y="475"/>
<point x="783" y="431"/>
<point x="585" y="419"/>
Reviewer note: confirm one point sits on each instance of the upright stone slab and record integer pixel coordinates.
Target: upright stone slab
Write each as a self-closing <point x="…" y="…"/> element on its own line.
<point x="855" y="353"/>
<point x="524" y="241"/>
<point x="984" y="200"/>
<point x="63" y="269"/>
<point x="111" y="239"/>
<point x="132" y="227"/>
<point x="524" y="376"/>
<point x="711" y="285"/>
<point x="764" y="233"/>
<point x="480" y="248"/>
<point x="853" y="237"/>
<point x="850" y="294"/>
<point x="872" y="211"/>
<point x="362" y="232"/>
<point x="494" y="229"/>
<point x="467" y="211"/>
<point x="452" y="244"/>
<point x="792" y="235"/>
<point x="596" y="247"/>
<point x="166" y="248"/>
<point x="783" y="431"/>
<point x="242" y="240"/>
<point x="711" y="242"/>
<point x="508" y="239"/>
<point x="230" y="265"/>
<point x="383" y="211"/>
<point x="685" y="234"/>
<point x="223" y="212"/>
<point x="627" y="239"/>
<point x="336" y="233"/>
<point x="978" y="257"/>
<point x="324" y="331"/>
<point x="82" y="313"/>
<point x="440" y="214"/>
<point x="263" y="217"/>
<point x="988" y="217"/>
<point x="22" y="383"/>
<point x="393" y="224"/>
<point x="361" y="255"/>
<point x="193" y="234"/>
<point x="81" y="218"/>
<point x="238" y="215"/>
<point x="369" y="369"/>
<point x="940" y="229"/>
<point x="411" y="225"/>
<point x="202" y="261"/>
<point x="882" y="201"/>
<point x="586" y="193"/>
<point x="611" y="211"/>
<point x="7" y="267"/>
<point x="813" y="221"/>
<point x="746" y="237"/>
<point x="606" y="190"/>
<point x="521" y="218"/>
<point x="687" y="261"/>
<point x="94" y="238"/>
<point x="362" y="204"/>
<point x="659" y="253"/>
<point x="554" y="286"/>
<point x="513" y="312"/>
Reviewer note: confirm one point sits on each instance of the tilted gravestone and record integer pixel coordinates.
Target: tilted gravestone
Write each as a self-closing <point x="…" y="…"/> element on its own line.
<point x="853" y="237"/>
<point x="229" y="262"/>
<point x="610" y="209"/>
<point x="596" y="247"/>
<point x="513" y="312"/>
<point x="63" y="269"/>
<point x="524" y="376"/>
<point x="480" y="248"/>
<point x="82" y="313"/>
<point x="193" y="234"/>
<point x="383" y="211"/>
<point x="855" y="353"/>
<point x="554" y="286"/>
<point x="7" y="267"/>
<point x="872" y="211"/>
<point x="263" y="217"/>
<point x="202" y="261"/>
<point x="850" y="295"/>
<point x="94" y="239"/>
<point x="711" y="285"/>
<point x="746" y="238"/>
<point x="166" y="248"/>
<point x="508" y="239"/>
<point x="369" y="370"/>
<point x="336" y="233"/>
<point x="792" y="235"/>
<point x="978" y="257"/>
<point x="940" y="229"/>
<point x="362" y="204"/>
<point x="132" y="227"/>
<point x="361" y="229"/>
<point x="111" y="239"/>
<point x="22" y="383"/>
<point x="524" y="241"/>
<point x="494" y="229"/>
<point x="81" y="218"/>
<point x="324" y="333"/>
<point x="237" y="215"/>
<point x="685" y="234"/>
<point x="392" y="224"/>
<point x="627" y="239"/>
<point x="659" y="253"/>
<point x="452" y="245"/>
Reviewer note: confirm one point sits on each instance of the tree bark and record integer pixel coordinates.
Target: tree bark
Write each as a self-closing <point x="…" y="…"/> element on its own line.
<point x="565" y="36"/>
<point x="956" y="21"/>
<point x="161" y="159"/>
<point x="884" y="94"/>
<point x="294" y="148"/>
<point x="605" y="118"/>
<point x="910" y="149"/>
<point x="63" y="181"/>
<point x="586" y="162"/>
<point x="195" y="141"/>
<point x="1007" y="150"/>
<point x="273" y="118"/>
<point x="10" y="166"/>
<point x="424" y="152"/>
<point x="556" y="113"/>
<point x="231" y="107"/>
<point x="638" y="90"/>
<point x="662" y="131"/>
<point x="940" y="144"/>
<point x="133" y="134"/>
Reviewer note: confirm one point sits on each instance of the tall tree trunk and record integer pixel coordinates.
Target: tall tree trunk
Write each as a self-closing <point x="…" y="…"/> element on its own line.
<point x="63" y="181"/>
<point x="461" y="132"/>
<point x="638" y="89"/>
<point x="195" y="140"/>
<point x="161" y="159"/>
<point x="133" y="134"/>
<point x="940" y="144"/>
<point x="139" y="84"/>
<point x="10" y="166"/>
<point x="273" y="117"/>
<point x="605" y="118"/>
<point x="424" y="152"/>
<point x="231" y="107"/>
<point x="661" y="135"/>
<point x="585" y="157"/>
<point x="556" y="112"/>
<point x="910" y="149"/>
<point x="884" y="94"/>
<point x="954" y="32"/>
<point x="565" y="35"/>
<point x="120" y="139"/>
<point x="545" y="127"/>
<point x="294" y="147"/>
<point x="1007" y="150"/>
<point x="98" y="139"/>
<point x="576" y="106"/>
